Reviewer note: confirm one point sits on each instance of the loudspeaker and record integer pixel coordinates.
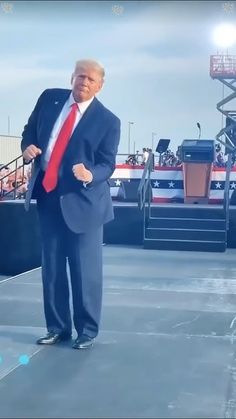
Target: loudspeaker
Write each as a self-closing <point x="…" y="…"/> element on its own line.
<point x="233" y="198"/>
<point x="162" y="145"/>
<point x="131" y="191"/>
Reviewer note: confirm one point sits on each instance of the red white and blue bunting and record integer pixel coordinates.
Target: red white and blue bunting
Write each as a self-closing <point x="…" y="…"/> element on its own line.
<point x="167" y="182"/>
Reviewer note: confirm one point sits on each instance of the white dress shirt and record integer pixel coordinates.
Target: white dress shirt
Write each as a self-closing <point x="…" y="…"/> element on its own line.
<point x="59" y="122"/>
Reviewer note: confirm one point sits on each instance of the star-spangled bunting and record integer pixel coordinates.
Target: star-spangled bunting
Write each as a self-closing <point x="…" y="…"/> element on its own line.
<point x="169" y="184"/>
<point x="218" y="185"/>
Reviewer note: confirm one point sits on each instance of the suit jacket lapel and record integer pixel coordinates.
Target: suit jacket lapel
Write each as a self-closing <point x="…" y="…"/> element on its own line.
<point x="89" y="114"/>
<point x="55" y="109"/>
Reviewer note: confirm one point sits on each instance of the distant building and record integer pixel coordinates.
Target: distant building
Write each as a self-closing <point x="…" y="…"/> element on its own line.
<point x="9" y="148"/>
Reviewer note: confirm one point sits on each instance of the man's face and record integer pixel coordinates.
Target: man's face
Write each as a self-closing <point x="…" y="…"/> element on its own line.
<point x="86" y="82"/>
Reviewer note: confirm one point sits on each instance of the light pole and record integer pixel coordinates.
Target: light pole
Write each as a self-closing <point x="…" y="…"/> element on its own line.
<point x="153" y="135"/>
<point x="130" y="123"/>
<point x="8" y="125"/>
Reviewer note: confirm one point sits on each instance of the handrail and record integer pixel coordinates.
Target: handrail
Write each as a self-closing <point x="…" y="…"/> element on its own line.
<point x="18" y="165"/>
<point x="144" y="183"/>
<point x="227" y="190"/>
<point x="230" y="147"/>
<point x="8" y="164"/>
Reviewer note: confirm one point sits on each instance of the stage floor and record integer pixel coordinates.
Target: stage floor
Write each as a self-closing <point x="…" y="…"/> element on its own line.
<point x="166" y="347"/>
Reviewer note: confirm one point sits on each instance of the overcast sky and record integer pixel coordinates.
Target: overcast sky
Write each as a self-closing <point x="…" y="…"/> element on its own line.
<point x="156" y="55"/>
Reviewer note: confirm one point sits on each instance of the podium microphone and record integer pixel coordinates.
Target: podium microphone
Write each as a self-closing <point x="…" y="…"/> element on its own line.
<point x="199" y="128"/>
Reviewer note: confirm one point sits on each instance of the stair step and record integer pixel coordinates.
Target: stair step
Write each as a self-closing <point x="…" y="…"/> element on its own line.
<point x="164" y="222"/>
<point x="186" y="218"/>
<point x="185" y="234"/>
<point x="186" y="227"/>
<point x="197" y="245"/>
<point x="187" y="212"/>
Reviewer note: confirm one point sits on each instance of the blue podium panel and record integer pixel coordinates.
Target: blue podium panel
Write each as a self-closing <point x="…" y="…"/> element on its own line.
<point x="198" y="151"/>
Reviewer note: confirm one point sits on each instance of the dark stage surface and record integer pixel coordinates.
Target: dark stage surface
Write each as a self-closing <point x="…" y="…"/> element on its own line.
<point x="20" y="244"/>
<point x="166" y="347"/>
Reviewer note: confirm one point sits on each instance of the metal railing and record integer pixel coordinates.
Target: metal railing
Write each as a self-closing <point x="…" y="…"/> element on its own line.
<point x="226" y="202"/>
<point x="145" y="190"/>
<point x="231" y="149"/>
<point x="223" y="66"/>
<point x="11" y="182"/>
<point x="12" y="191"/>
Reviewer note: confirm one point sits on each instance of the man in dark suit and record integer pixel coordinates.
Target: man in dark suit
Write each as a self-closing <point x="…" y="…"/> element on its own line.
<point x="70" y="183"/>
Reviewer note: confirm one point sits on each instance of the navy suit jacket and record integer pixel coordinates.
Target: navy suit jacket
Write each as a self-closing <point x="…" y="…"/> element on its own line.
<point x="94" y="143"/>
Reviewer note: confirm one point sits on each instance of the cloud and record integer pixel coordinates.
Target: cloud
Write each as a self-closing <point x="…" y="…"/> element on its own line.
<point x="152" y="26"/>
<point x="146" y="64"/>
<point x="18" y="70"/>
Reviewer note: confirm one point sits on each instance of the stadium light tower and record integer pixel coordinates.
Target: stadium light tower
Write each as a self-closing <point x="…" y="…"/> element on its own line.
<point x="223" y="68"/>
<point x="224" y="35"/>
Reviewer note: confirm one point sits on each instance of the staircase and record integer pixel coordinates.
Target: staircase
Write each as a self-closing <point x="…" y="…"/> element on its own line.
<point x="186" y="227"/>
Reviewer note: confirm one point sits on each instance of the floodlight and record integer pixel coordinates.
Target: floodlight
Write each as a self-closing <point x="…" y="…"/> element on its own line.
<point x="224" y="35"/>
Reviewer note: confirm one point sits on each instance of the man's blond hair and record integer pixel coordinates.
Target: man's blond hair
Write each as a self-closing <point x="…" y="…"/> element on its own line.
<point x="91" y="63"/>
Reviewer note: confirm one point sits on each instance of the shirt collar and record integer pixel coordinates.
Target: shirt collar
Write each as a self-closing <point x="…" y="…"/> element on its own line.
<point x="82" y="105"/>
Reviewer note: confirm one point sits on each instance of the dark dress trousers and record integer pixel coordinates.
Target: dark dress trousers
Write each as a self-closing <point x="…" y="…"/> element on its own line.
<point x="72" y="216"/>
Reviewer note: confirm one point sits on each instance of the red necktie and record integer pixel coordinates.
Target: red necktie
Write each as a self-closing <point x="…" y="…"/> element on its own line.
<point x="51" y="175"/>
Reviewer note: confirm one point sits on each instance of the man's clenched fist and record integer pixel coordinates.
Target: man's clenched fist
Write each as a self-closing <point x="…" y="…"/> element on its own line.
<point x="81" y="173"/>
<point x="31" y="152"/>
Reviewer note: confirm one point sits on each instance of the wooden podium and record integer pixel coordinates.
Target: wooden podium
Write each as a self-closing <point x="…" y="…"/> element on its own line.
<point x="197" y="157"/>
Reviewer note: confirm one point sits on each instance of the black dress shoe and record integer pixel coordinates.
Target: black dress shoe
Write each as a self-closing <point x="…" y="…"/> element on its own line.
<point x="83" y="342"/>
<point x="52" y="338"/>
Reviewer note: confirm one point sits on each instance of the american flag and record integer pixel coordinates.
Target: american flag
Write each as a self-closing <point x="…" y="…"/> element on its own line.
<point x="168" y="184"/>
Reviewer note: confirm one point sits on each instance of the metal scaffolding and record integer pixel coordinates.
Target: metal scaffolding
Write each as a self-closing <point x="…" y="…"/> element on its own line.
<point x="223" y="68"/>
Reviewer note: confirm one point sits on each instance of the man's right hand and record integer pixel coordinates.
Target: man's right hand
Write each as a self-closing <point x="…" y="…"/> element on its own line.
<point x="31" y="152"/>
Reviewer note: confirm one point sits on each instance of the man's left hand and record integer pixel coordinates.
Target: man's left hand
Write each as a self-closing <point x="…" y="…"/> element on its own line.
<point x="81" y="173"/>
